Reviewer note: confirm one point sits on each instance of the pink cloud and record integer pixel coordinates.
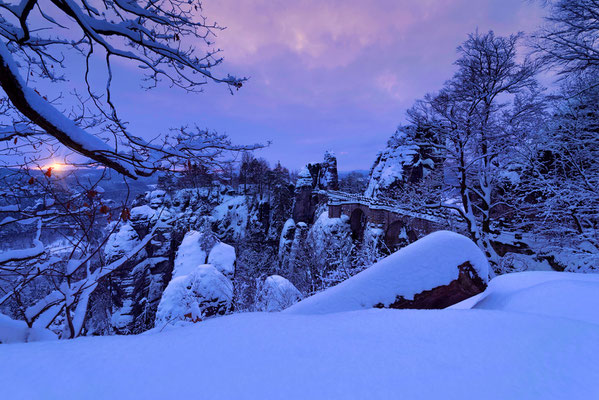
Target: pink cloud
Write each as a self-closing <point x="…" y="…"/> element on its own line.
<point x="330" y="74"/>
<point x="323" y="34"/>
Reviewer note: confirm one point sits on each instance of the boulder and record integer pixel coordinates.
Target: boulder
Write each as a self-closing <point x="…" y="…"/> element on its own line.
<point x="467" y="284"/>
<point x="203" y="293"/>
<point x="276" y="294"/>
<point x="436" y="271"/>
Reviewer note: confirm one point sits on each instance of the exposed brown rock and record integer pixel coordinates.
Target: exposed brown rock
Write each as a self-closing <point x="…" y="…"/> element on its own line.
<point x="467" y="285"/>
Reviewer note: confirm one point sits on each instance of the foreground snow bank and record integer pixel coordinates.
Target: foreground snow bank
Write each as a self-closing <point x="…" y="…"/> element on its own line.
<point x="13" y="331"/>
<point x="557" y="294"/>
<point x="368" y="354"/>
<point x="424" y="265"/>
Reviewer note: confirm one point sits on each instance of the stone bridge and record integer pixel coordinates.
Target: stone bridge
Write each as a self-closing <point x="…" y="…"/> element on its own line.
<point x="400" y="225"/>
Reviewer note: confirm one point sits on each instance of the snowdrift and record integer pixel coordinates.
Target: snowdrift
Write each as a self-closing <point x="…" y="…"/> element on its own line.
<point x="14" y="331"/>
<point x="500" y="345"/>
<point x="368" y="354"/>
<point x="556" y="294"/>
<point x="429" y="263"/>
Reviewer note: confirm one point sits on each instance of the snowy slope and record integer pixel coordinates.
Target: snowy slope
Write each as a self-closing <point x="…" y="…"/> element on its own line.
<point x="370" y="354"/>
<point x="423" y="265"/>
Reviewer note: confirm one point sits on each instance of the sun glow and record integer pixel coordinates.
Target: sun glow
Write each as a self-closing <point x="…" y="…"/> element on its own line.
<point x="55" y="166"/>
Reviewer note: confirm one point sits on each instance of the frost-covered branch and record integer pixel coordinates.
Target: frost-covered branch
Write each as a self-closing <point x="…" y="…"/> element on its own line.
<point x="169" y="40"/>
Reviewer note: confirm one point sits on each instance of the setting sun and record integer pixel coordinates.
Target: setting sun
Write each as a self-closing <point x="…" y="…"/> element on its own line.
<point x="55" y="166"/>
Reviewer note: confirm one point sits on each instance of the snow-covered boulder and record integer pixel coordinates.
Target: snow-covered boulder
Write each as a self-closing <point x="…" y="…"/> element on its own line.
<point x="276" y="294"/>
<point x="201" y="294"/>
<point x="436" y="271"/>
<point x="222" y="257"/>
<point x="14" y="331"/>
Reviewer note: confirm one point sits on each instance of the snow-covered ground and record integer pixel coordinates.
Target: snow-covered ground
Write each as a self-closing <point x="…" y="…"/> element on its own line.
<point x="493" y="351"/>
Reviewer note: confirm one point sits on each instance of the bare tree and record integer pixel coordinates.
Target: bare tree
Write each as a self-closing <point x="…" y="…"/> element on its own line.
<point x="43" y="43"/>
<point x="571" y="36"/>
<point x="39" y="44"/>
<point x="53" y="278"/>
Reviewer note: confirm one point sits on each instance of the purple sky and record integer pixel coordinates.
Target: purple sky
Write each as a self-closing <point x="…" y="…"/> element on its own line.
<point x="324" y="74"/>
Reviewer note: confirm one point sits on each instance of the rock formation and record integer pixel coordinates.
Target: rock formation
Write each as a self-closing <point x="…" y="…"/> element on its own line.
<point x="201" y="294"/>
<point x="314" y="177"/>
<point x="403" y="161"/>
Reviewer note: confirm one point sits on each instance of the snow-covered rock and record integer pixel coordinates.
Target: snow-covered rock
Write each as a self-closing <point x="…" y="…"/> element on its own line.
<point x="435" y="261"/>
<point x="157" y="198"/>
<point x="286" y="239"/>
<point x="231" y="216"/>
<point x="201" y="294"/>
<point x="395" y="165"/>
<point x="222" y="257"/>
<point x="142" y="213"/>
<point x="304" y="179"/>
<point x="121" y="243"/>
<point x="328" y="178"/>
<point x="190" y="254"/>
<point x="276" y="294"/>
<point x="14" y="331"/>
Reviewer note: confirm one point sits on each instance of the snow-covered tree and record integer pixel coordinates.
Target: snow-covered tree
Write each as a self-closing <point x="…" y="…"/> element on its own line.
<point x="561" y="181"/>
<point x="472" y="118"/>
<point x="276" y="294"/>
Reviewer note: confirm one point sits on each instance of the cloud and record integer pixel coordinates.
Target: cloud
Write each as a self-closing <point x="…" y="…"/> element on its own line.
<point x="329" y="74"/>
<point x="322" y="34"/>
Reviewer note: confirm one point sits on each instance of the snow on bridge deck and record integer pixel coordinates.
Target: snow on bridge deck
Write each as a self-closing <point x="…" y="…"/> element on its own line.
<point x="427" y="214"/>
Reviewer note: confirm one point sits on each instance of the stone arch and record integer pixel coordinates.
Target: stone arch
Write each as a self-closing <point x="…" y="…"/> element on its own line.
<point x="357" y="222"/>
<point x="399" y="235"/>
